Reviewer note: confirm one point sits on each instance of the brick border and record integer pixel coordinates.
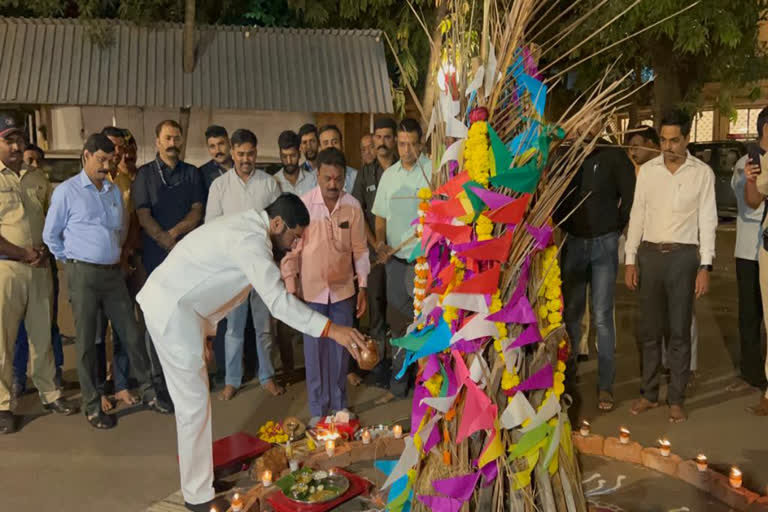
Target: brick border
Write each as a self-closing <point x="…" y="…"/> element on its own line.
<point x="711" y="482"/>
<point x="346" y="454"/>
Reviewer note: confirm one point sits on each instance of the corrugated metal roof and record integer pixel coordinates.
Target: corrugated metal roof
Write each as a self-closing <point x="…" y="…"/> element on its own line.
<point x="55" y="61"/>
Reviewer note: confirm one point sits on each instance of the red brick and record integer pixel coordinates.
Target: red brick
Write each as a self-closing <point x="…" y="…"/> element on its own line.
<point x="689" y="472"/>
<point x="590" y="445"/>
<point x="653" y="459"/>
<point x="739" y="498"/>
<point x="630" y="452"/>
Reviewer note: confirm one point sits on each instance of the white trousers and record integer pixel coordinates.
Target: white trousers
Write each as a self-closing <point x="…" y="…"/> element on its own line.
<point x="187" y="380"/>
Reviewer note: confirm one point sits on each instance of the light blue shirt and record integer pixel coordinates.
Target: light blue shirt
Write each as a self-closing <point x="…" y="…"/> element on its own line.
<point x="397" y="201"/>
<point x="85" y="223"/>
<point x="748" y="237"/>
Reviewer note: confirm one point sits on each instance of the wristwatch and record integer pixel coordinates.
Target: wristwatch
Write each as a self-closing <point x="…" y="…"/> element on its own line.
<point x="708" y="268"/>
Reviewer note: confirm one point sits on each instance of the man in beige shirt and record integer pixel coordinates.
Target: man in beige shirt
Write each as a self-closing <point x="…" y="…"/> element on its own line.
<point x="26" y="288"/>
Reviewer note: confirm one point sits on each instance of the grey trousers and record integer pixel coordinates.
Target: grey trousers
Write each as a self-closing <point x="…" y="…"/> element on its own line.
<point x="667" y="281"/>
<point x="399" y="316"/>
<point x="92" y="289"/>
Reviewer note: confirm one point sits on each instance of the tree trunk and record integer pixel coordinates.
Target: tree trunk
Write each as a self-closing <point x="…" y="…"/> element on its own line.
<point x="189" y="36"/>
<point x="430" y="85"/>
<point x="667" y="86"/>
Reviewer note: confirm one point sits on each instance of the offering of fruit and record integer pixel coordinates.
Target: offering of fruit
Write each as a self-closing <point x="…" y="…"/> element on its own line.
<point x="272" y="432"/>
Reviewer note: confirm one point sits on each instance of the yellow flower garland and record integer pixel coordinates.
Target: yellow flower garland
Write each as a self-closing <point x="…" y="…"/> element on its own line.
<point x="477" y="156"/>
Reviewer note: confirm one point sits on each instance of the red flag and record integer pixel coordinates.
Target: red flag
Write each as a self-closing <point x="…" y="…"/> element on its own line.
<point x="453" y="186"/>
<point x="450" y="208"/>
<point x="484" y="282"/>
<point x="496" y="249"/>
<point x="456" y="234"/>
<point x="511" y="213"/>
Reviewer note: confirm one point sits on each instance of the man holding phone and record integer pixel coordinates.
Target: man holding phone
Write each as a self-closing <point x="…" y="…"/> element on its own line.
<point x="755" y="192"/>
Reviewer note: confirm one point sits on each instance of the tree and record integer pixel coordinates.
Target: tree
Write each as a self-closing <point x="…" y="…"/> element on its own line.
<point x="713" y="41"/>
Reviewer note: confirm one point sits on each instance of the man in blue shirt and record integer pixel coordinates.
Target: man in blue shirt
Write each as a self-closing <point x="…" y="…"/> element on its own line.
<point x="85" y="228"/>
<point x="168" y="195"/>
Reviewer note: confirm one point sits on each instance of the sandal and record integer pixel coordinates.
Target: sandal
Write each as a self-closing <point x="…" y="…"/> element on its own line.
<point x="642" y="405"/>
<point x="101" y="421"/>
<point x="677" y="414"/>
<point x="605" y="401"/>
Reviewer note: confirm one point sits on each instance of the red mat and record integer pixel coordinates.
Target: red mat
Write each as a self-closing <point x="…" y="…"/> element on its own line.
<point x="357" y="486"/>
<point x="238" y="447"/>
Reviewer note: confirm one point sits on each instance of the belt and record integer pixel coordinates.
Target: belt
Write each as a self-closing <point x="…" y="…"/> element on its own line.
<point x="95" y="265"/>
<point x="402" y="260"/>
<point x="665" y="247"/>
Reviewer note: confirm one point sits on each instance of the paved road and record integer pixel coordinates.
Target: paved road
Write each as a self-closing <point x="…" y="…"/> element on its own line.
<point x="59" y="463"/>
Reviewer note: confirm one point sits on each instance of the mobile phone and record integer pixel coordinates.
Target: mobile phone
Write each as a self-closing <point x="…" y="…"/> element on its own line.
<point x="754" y="156"/>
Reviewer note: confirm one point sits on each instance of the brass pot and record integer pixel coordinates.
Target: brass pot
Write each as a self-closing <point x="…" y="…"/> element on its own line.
<point x="369" y="357"/>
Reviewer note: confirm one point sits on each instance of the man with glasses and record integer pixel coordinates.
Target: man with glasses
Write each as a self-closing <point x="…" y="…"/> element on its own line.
<point x="202" y="280"/>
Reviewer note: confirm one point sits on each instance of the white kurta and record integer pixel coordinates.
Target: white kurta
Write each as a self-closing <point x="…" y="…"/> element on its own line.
<point x="205" y="276"/>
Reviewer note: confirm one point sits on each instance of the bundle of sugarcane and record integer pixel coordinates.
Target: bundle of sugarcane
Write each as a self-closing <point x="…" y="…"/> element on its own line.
<point x="489" y="423"/>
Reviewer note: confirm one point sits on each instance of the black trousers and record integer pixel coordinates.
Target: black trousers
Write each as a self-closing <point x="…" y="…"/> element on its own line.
<point x="666" y="291"/>
<point x="92" y="289"/>
<point x="750" y="322"/>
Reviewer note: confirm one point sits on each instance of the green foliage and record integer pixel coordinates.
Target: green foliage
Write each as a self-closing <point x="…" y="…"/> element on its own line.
<point x="714" y="41"/>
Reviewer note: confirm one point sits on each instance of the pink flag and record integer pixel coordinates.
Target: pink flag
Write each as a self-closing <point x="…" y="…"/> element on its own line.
<point x="458" y="487"/>
<point x="530" y="335"/>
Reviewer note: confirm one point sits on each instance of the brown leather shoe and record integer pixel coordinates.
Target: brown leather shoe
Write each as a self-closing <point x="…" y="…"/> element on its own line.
<point x="760" y="409"/>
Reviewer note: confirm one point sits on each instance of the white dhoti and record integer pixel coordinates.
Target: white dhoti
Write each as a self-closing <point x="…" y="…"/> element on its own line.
<point x="187" y="381"/>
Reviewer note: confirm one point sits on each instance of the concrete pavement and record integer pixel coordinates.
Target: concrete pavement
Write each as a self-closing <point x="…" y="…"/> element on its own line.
<point x="61" y="463"/>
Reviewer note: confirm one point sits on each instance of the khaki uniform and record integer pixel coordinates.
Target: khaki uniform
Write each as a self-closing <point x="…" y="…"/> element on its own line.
<point x="26" y="292"/>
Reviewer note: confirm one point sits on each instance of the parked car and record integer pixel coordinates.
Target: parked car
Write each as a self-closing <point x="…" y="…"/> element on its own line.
<point x="721" y="156"/>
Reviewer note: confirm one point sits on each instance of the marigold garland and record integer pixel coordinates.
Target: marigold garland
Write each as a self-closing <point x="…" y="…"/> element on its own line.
<point x="421" y="278"/>
<point x="477" y="155"/>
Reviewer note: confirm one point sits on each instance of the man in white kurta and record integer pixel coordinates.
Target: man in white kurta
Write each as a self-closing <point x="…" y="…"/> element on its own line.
<point x="206" y="275"/>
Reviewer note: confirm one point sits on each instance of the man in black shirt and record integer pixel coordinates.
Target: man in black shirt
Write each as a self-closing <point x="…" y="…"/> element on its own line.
<point x="217" y="142"/>
<point x="597" y="204"/>
<point x="384" y="132"/>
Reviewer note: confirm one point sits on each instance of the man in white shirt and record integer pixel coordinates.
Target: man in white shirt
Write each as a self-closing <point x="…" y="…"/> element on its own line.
<point x="671" y="238"/>
<point x="206" y="275"/>
<point x="245" y="188"/>
<point x="292" y="177"/>
<point x="330" y="137"/>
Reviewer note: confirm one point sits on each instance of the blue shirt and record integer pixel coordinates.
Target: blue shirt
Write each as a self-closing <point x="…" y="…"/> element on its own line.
<point x="169" y="195"/>
<point x="748" y="237"/>
<point x="85" y="223"/>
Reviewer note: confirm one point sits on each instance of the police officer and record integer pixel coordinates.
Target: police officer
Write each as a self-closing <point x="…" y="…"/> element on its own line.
<point x="26" y="287"/>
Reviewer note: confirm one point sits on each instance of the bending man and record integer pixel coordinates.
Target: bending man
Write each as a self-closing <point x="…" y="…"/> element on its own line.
<point x="206" y="275"/>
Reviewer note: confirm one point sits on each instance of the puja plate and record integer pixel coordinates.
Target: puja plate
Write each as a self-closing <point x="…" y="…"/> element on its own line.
<point x="339" y="485"/>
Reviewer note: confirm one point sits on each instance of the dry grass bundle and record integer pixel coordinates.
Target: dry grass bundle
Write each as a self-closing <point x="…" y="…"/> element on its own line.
<point x="514" y="28"/>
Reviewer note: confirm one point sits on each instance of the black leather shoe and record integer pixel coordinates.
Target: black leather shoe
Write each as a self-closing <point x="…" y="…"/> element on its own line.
<point x="60" y="406"/>
<point x="159" y="405"/>
<point x="7" y="422"/>
<point x="220" y="504"/>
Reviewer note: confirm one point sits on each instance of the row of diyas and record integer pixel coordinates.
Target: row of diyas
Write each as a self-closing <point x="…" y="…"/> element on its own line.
<point x="665" y="449"/>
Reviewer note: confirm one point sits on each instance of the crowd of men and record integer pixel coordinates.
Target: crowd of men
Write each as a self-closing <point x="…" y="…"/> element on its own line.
<point x="111" y="226"/>
<point x="658" y="202"/>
